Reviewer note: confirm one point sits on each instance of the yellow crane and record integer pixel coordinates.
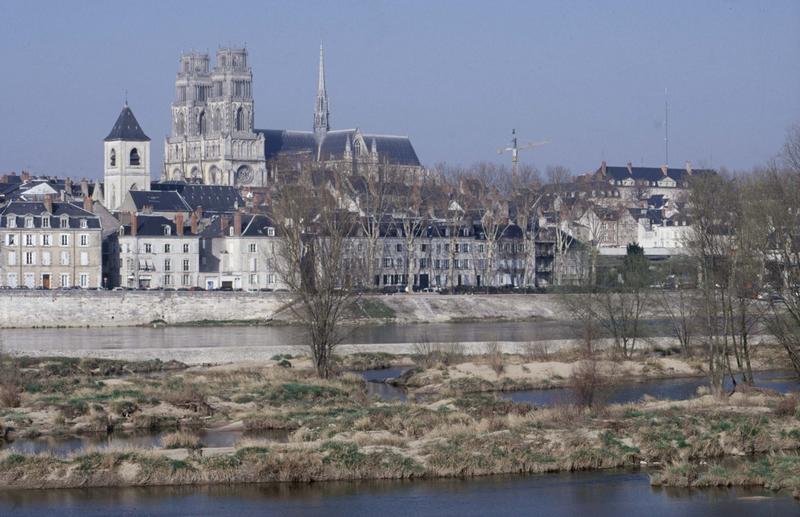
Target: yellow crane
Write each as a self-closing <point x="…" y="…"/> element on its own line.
<point x="514" y="149"/>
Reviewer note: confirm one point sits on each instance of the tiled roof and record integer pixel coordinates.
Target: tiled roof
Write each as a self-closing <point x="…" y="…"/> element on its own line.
<point x="155" y="226"/>
<point x="75" y="214"/>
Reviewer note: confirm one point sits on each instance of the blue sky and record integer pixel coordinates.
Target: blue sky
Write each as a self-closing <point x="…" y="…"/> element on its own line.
<point x="456" y="76"/>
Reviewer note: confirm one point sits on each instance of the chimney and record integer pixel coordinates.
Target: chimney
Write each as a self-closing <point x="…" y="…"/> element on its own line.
<point x="689" y="168"/>
<point x="193" y="222"/>
<point x="147" y="209"/>
<point x="63" y="196"/>
<point x="134" y="224"/>
<point x="179" y="224"/>
<point x="237" y="224"/>
<point x="25" y="176"/>
<point x="664" y="170"/>
<point x="68" y="185"/>
<point x="630" y="169"/>
<point x="223" y="223"/>
<point x="603" y="168"/>
<point x="87" y="204"/>
<point x="48" y="203"/>
<point x="85" y="187"/>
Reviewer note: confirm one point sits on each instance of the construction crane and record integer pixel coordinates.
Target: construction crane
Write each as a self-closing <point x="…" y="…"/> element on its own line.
<point x="515" y="149"/>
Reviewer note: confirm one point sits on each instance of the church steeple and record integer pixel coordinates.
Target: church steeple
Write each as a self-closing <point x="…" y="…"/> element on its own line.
<point x="321" y="114"/>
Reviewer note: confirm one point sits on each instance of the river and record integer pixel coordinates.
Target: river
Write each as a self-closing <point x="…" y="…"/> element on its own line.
<point x="598" y="494"/>
<point x="236" y="343"/>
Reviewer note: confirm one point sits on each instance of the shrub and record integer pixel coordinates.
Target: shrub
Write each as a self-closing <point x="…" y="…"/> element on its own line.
<point x="124" y="408"/>
<point x="284" y="363"/>
<point x="191" y="398"/>
<point x="788" y="406"/>
<point x="9" y="394"/>
<point x="536" y="351"/>
<point x="495" y="357"/>
<point x="587" y="381"/>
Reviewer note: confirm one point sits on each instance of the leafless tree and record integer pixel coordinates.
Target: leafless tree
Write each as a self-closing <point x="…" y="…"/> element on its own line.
<point x="414" y="219"/>
<point x="374" y="205"/>
<point x="312" y="260"/>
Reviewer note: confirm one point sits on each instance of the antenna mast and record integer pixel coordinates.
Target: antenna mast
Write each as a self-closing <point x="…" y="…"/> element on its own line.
<point x="666" y="128"/>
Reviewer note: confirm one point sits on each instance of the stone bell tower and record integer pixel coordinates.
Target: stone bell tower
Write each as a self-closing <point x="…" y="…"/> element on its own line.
<point x="127" y="159"/>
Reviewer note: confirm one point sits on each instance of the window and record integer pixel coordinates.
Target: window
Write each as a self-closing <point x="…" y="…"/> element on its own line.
<point x="167" y="248"/>
<point x="187" y="279"/>
<point x="112" y="160"/>
<point x="65" y="239"/>
<point x="252" y="247"/>
<point x="45" y="222"/>
<point x="186" y="248"/>
<point x="84" y="223"/>
<point x="84" y="280"/>
<point x="84" y="239"/>
<point x="148" y="248"/>
<point x="270" y="232"/>
<point x="186" y="265"/>
<point x="28" y="239"/>
<point x="253" y="264"/>
<point x="45" y="258"/>
<point x="167" y="280"/>
<point x="271" y="278"/>
<point x="11" y="220"/>
<point x="167" y="230"/>
<point x="84" y="258"/>
<point x="64" y="223"/>
<point x="254" y="279"/>
<point x="29" y="222"/>
<point x="167" y="264"/>
<point x="64" y="280"/>
<point x="134" y="158"/>
<point x="64" y="258"/>
<point x="11" y="239"/>
<point x="30" y="258"/>
<point x="12" y="280"/>
<point x="12" y="258"/>
<point x="398" y="247"/>
<point x="387" y="262"/>
<point x="423" y="248"/>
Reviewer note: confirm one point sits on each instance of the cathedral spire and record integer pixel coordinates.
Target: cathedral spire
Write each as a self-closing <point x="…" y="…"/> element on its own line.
<point x="321" y="115"/>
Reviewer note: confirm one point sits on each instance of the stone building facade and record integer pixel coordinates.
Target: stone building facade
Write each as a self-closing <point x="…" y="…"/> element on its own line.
<point x="50" y="245"/>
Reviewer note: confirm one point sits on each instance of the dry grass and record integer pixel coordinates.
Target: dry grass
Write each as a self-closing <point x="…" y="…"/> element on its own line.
<point x="181" y="440"/>
<point x="494" y="356"/>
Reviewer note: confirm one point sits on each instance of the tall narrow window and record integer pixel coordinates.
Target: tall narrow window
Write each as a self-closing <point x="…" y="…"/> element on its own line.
<point x="201" y="123"/>
<point x="113" y="159"/>
<point x="134" y="157"/>
<point x="239" y="120"/>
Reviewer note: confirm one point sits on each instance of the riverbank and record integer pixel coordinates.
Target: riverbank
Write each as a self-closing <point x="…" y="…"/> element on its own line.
<point x="336" y="431"/>
<point x="77" y="308"/>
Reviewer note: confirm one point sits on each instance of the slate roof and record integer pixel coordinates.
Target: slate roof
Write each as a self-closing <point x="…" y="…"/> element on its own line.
<point x="21" y="209"/>
<point x="154" y="225"/>
<point x="127" y="128"/>
<point x="213" y="198"/>
<point x="396" y="150"/>
<point x="252" y="226"/>
<point x="159" y="201"/>
<point x="649" y="174"/>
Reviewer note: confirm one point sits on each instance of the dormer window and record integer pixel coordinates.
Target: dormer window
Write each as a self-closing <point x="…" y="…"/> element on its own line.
<point x="121" y="231"/>
<point x="45" y="222"/>
<point x="11" y="221"/>
<point x="64" y="222"/>
<point x="134" y="157"/>
<point x="230" y="231"/>
<point x="84" y="223"/>
<point x="167" y="230"/>
<point x="29" y="222"/>
<point x="270" y="232"/>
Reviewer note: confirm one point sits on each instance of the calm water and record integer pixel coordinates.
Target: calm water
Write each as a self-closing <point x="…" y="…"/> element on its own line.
<point x="665" y="389"/>
<point x="146" y="338"/>
<point x="595" y="494"/>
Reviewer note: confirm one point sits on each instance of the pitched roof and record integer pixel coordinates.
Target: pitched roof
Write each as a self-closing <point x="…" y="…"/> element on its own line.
<point x="127" y="128"/>
<point x="395" y="149"/>
<point x="649" y="174"/>
<point x="213" y="198"/>
<point x="159" y="201"/>
<point x="154" y="225"/>
<point x="75" y="213"/>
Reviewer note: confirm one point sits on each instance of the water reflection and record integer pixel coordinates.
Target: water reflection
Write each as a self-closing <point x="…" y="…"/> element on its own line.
<point x="599" y="494"/>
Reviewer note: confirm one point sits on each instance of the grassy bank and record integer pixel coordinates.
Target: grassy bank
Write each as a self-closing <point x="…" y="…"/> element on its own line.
<point x="339" y="432"/>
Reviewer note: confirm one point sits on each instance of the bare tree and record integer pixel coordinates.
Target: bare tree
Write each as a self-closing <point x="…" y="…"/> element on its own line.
<point x="413" y="221"/>
<point x="373" y="203"/>
<point x="312" y="260"/>
<point x="559" y="179"/>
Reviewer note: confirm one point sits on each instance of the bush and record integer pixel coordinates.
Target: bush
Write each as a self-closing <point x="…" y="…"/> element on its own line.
<point x="191" y="398"/>
<point x="495" y="357"/>
<point x="587" y="381"/>
<point x="74" y="408"/>
<point x="124" y="408"/>
<point x="9" y="394"/>
<point x="788" y="406"/>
